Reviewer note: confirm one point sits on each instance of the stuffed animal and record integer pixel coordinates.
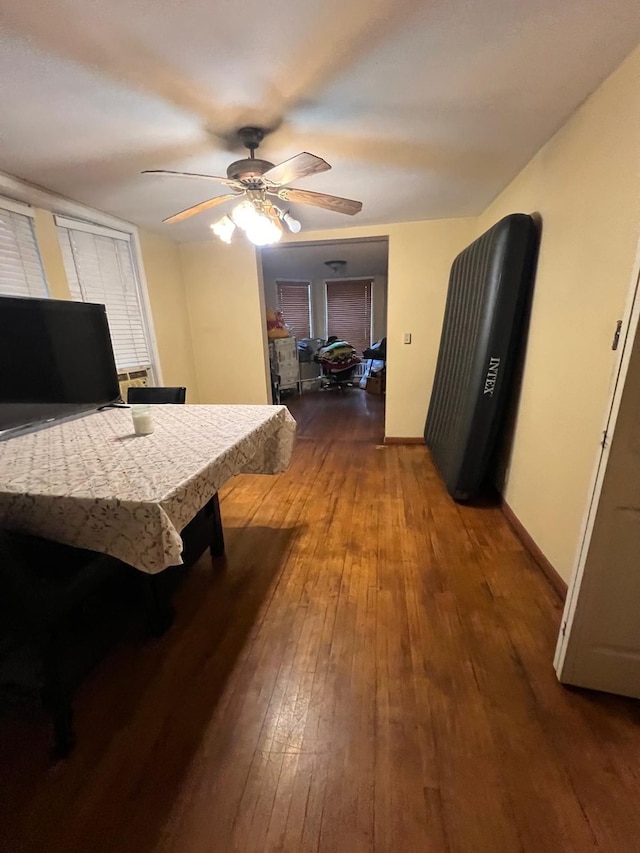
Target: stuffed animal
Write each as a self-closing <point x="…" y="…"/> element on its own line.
<point x="276" y="327"/>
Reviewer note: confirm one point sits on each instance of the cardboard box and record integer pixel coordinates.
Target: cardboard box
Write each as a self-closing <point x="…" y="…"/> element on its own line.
<point x="375" y="384"/>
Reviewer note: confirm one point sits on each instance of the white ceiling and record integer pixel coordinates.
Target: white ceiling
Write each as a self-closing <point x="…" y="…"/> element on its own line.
<point x="425" y="108"/>
<point x="308" y="261"/>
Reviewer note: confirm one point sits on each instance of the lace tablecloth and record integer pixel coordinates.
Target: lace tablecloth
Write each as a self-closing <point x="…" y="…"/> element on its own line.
<point x="93" y="484"/>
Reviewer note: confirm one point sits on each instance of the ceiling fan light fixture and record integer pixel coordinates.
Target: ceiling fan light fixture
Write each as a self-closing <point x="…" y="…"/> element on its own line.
<point x="244" y="214"/>
<point x="264" y="230"/>
<point x="262" y="226"/>
<point x="293" y="224"/>
<point x="336" y="266"/>
<point x="224" y="229"/>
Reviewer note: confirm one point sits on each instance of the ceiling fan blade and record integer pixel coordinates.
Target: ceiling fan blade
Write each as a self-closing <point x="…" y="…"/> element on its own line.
<point x="164" y="172"/>
<point x="300" y="166"/>
<point x="199" y="208"/>
<point x="328" y="202"/>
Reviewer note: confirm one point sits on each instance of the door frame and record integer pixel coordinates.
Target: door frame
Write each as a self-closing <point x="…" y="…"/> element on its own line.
<point x="627" y="340"/>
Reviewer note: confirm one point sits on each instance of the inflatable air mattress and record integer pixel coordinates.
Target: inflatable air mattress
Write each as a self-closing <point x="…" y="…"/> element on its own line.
<point x="481" y="333"/>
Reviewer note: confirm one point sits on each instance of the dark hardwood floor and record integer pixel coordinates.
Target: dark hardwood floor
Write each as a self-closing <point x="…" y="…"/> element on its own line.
<point x="371" y="671"/>
<point x="334" y="415"/>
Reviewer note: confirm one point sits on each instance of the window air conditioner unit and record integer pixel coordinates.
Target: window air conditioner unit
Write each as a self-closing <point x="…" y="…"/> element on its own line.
<point x="141" y="376"/>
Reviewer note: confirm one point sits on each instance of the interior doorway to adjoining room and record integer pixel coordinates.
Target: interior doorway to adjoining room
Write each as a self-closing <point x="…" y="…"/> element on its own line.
<point x="326" y="307"/>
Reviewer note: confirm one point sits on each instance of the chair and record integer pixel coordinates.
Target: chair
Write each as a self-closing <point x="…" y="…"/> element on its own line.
<point x="337" y="360"/>
<point x="50" y="596"/>
<point x="145" y="394"/>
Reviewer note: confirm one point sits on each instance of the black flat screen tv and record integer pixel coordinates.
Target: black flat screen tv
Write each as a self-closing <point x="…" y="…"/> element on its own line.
<point x="56" y="360"/>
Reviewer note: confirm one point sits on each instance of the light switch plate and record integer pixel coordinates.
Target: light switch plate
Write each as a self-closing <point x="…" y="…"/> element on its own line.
<point x="406" y="338"/>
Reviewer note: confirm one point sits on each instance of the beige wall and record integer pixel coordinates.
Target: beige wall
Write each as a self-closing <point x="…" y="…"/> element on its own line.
<point x="226" y="308"/>
<point x="51" y="254"/>
<point x="420" y="257"/>
<point x="585" y="184"/>
<point x="167" y="297"/>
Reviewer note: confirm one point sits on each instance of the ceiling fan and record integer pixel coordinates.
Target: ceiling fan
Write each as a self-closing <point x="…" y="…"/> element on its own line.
<point x="255" y="181"/>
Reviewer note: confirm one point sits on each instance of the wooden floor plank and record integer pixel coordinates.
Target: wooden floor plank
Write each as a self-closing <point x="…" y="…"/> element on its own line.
<point x="369" y="671"/>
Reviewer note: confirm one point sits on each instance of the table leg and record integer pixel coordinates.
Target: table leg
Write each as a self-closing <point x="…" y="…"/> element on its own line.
<point x="216" y="548"/>
<point x="56" y="698"/>
<point x="159" y="612"/>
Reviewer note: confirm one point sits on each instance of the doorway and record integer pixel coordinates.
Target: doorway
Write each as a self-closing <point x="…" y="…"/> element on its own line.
<point x="326" y="305"/>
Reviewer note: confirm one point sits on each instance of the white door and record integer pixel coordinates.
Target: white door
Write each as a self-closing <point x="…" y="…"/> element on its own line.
<point x="599" y="642"/>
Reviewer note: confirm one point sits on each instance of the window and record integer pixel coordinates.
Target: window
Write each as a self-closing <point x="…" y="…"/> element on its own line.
<point x="294" y="300"/>
<point x="100" y="268"/>
<point x="21" y="272"/>
<point x="349" y="312"/>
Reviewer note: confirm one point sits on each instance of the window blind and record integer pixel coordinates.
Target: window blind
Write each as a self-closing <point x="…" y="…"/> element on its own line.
<point x="100" y="269"/>
<point x="294" y="300"/>
<point x="21" y="272"/>
<point x="349" y="312"/>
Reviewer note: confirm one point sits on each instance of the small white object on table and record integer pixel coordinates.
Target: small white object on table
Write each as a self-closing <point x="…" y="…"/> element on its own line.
<point x="142" y="419"/>
<point x="92" y="483"/>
